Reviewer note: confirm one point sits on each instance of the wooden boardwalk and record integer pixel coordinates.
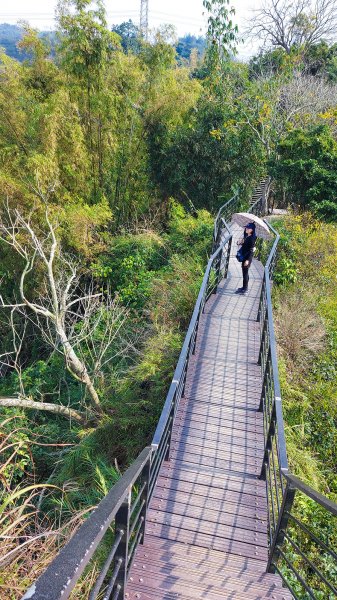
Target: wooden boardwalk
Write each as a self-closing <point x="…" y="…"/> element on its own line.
<point x="206" y="529"/>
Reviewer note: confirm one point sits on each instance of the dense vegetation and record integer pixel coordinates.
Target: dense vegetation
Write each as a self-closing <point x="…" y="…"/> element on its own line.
<point x="114" y="157"/>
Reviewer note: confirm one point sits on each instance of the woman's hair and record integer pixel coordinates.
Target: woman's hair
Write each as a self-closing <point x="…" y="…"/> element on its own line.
<point x="250" y="226"/>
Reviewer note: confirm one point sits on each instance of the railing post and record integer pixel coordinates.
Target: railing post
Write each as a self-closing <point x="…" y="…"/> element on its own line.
<point x="228" y="255"/>
<point x="145" y="478"/>
<point x="167" y="452"/>
<point x="269" y="441"/>
<point x="282" y="523"/>
<point x="264" y="382"/>
<point x="263" y="338"/>
<point x="259" y="312"/>
<point x="122" y="524"/>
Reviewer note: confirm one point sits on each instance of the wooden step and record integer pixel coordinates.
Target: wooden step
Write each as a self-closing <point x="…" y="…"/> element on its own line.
<point x="224" y="419"/>
<point x="235" y="464"/>
<point x="190" y="502"/>
<point x="181" y="581"/>
<point x="231" y="519"/>
<point x="207" y="436"/>
<point x="226" y="451"/>
<point x="197" y="567"/>
<point x="133" y="593"/>
<point x="206" y="540"/>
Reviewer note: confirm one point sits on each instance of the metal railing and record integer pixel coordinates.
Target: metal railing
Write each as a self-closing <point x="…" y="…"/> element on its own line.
<point x="119" y="519"/>
<point x="305" y="558"/>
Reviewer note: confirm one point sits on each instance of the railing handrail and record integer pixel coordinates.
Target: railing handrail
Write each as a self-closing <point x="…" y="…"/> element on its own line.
<point x="221" y="209"/>
<point x="184" y="351"/>
<point x="306" y="489"/>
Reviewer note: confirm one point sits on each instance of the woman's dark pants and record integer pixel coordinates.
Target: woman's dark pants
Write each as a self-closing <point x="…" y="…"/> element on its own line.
<point x="245" y="275"/>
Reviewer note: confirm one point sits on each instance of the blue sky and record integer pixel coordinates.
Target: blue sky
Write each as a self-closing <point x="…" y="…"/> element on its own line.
<point x="187" y="15"/>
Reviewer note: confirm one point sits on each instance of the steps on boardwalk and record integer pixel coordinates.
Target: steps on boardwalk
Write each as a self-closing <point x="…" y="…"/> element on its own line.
<point x="164" y="569"/>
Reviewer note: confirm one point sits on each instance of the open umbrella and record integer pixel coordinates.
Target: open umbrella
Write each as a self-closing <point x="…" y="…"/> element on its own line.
<point x="261" y="229"/>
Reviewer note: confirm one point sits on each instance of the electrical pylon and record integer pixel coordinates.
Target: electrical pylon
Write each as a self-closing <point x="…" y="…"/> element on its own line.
<point x="144" y="18"/>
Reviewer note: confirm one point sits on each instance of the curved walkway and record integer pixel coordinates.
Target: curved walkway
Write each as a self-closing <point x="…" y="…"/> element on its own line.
<point x="206" y="528"/>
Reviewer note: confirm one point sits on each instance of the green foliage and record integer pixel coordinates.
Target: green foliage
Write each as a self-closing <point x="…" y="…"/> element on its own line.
<point x="307" y="168"/>
<point x="130" y="36"/>
<point x="188" y="43"/>
<point x="310" y="400"/>
<point x="321" y="59"/>
<point x="222" y="33"/>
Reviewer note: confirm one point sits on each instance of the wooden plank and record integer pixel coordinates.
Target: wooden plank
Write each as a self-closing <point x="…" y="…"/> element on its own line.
<point x="174" y="551"/>
<point x="217" y="462"/>
<point x="230" y="398"/>
<point x="190" y="581"/>
<point x="233" y="496"/>
<point x="222" y="431"/>
<point x="216" y="530"/>
<point x="212" y="477"/>
<point x="266" y="582"/>
<point x="202" y="573"/>
<point x="219" y="411"/>
<point x="228" y="505"/>
<point x="184" y="501"/>
<point x="215" y="448"/>
<point x="210" y="445"/>
<point x="225" y="420"/>
<point x="207" y="514"/>
<point x="207" y="540"/>
<point x="222" y="367"/>
<point x="220" y="385"/>
<point x="155" y="593"/>
<point x="216" y="437"/>
<point x="232" y="492"/>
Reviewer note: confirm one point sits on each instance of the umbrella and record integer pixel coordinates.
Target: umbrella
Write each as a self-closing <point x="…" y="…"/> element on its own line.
<point x="261" y="229"/>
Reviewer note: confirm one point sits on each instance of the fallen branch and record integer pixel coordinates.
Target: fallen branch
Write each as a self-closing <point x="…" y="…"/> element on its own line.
<point x="58" y="409"/>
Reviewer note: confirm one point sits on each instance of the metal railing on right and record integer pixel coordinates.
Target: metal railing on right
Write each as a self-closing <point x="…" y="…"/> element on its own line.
<point x="302" y="522"/>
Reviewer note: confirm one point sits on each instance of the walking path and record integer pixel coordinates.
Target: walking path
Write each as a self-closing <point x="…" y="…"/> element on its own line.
<point x="206" y="529"/>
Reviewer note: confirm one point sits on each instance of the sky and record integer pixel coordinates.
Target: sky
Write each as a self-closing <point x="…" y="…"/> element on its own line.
<point x="186" y="15"/>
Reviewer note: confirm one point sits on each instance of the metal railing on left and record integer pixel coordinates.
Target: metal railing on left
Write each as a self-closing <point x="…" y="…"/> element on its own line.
<point x="119" y="519"/>
<point x="121" y="513"/>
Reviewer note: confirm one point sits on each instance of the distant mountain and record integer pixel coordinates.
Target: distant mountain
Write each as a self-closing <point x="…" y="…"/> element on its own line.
<point x="10" y="35"/>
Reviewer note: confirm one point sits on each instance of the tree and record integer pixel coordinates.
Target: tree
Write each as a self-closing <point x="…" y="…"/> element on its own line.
<point x="130" y="36"/>
<point x="301" y="23"/>
<point x="87" y="45"/>
<point x="66" y="314"/>
<point x="222" y="34"/>
<point x="321" y="59"/>
<point x="306" y="167"/>
<point x="188" y="43"/>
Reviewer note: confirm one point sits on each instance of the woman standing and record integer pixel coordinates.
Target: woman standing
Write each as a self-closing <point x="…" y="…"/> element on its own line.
<point x="247" y="251"/>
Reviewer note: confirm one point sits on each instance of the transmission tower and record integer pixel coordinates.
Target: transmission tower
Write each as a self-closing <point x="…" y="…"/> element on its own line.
<point x="144" y="18"/>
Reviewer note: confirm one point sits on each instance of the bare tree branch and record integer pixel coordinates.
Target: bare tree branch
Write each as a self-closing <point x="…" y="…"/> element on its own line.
<point x="66" y="315"/>
<point x="57" y="409"/>
<point x="300" y="23"/>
